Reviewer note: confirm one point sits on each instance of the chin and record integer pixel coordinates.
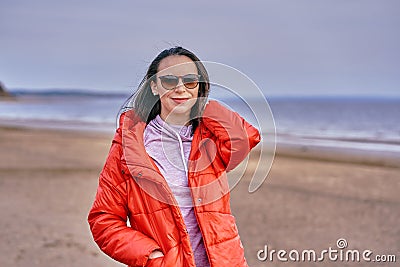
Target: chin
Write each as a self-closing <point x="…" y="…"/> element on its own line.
<point x="181" y="110"/>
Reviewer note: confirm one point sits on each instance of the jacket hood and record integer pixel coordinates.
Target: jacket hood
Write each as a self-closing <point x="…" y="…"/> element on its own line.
<point x="172" y="131"/>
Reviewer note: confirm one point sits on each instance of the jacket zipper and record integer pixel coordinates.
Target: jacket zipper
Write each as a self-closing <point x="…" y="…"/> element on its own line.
<point x="195" y="209"/>
<point x="171" y="197"/>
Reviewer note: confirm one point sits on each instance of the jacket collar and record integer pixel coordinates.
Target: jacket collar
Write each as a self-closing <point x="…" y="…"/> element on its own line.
<point x="130" y="135"/>
<point x="134" y="156"/>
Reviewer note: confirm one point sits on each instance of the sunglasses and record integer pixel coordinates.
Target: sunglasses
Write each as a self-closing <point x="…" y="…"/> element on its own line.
<point x="170" y="82"/>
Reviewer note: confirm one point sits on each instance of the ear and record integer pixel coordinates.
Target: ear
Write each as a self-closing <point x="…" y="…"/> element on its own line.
<point x="153" y="86"/>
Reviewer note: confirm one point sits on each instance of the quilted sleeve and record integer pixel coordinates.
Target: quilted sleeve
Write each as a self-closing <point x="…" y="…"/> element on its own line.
<point x="235" y="136"/>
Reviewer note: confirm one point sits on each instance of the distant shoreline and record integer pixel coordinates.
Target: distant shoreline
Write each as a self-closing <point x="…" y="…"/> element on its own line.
<point x="344" y="155"/>
<point x="4" y="93"/>
<point x="130" y="91"/>
<point x="57" y="125"/>
<point x="285" y="149"/>
<point x="305" y="128"/>
<point x="66" y="92"/>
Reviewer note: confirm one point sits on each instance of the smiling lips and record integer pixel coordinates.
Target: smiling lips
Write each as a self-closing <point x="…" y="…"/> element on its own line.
<point x="180" y="100"/>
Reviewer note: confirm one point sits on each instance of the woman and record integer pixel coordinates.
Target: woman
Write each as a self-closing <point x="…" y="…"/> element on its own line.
<point x="166" y="172"/>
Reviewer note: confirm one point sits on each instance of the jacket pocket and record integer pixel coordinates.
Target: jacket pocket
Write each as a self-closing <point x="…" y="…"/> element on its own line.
<point x="157" y="262"/>
<point x="163" y="262"/>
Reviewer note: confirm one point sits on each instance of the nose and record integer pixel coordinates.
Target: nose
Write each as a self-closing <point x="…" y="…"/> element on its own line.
<point x="180" y="87"/>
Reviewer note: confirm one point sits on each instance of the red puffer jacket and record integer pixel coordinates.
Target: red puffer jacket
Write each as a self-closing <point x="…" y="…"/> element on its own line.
<point x="131" y="186"/>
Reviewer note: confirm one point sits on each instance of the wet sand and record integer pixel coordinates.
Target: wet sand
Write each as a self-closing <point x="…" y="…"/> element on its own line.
<point x="48" y="180"/>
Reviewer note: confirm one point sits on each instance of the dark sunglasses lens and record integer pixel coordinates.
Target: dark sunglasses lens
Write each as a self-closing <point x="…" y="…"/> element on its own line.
<point x="169" y="82"/>
<point x="190" y="81"/>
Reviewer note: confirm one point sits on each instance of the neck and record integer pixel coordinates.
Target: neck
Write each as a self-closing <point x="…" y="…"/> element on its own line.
<point x="176" y="119"/>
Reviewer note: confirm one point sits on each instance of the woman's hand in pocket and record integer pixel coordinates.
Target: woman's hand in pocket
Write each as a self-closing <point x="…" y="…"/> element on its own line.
<point x="155" y="259"/>
<point x="156" y="254"/>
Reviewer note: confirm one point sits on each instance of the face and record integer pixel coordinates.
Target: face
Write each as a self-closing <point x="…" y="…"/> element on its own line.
<point x="176" y="103"/>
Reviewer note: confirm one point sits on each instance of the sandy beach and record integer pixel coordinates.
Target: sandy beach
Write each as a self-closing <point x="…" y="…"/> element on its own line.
<point x="48" y="180"/>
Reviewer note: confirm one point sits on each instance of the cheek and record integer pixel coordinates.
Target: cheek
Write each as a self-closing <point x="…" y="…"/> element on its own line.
<point x="164" y="95"/>
<point x="195" y="93"/>
<point x="164" y="101"/>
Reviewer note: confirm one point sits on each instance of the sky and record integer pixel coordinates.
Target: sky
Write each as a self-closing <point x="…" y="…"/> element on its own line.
<point x="287" y="47"/>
